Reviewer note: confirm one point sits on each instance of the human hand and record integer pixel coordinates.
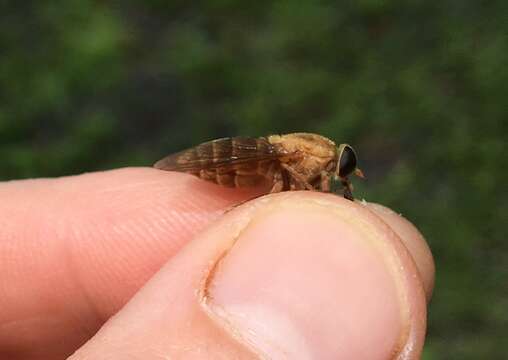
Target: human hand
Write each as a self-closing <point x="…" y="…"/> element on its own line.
<point x="297" y="275"/>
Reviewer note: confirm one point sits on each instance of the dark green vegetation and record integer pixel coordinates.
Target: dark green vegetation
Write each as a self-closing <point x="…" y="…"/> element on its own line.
<point x="418" y="87"/>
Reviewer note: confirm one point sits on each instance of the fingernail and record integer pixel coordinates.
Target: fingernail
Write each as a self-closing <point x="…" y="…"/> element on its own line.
<point x="304" y="282"/>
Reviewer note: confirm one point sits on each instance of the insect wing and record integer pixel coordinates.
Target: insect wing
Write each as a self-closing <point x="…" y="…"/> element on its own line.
<point x="225" y="153"/>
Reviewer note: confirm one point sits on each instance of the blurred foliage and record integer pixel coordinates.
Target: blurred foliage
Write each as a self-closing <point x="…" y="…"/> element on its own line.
<point x="418" y="87"/>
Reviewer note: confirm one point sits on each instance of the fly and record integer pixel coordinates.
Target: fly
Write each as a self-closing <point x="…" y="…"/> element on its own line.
<point x="299" y="161"/>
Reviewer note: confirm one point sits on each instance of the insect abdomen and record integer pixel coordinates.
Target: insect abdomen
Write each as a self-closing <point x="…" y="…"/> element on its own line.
<point x="233" y="178"/>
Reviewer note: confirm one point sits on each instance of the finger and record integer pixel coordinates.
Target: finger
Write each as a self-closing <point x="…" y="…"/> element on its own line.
<point x="289" y="276"/>
<point x="73" y="250"/>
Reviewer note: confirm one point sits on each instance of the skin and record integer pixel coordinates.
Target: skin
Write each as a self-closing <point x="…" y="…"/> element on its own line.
<point x="156" y="250"/>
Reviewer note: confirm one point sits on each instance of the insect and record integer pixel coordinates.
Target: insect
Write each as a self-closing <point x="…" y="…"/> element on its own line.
<point x="299" y="161"/>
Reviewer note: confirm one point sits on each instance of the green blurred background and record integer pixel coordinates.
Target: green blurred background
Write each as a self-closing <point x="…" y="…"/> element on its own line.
<point x="419" y="88"/>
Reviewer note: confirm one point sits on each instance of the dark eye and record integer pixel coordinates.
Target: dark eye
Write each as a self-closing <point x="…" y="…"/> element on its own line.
<point x="347" y="161"/>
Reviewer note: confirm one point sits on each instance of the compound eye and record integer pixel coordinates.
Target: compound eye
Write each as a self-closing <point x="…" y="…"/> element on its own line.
<point x="347" y="161"/>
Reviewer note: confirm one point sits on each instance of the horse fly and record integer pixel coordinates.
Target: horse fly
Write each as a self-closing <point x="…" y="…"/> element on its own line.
<point x="299" y="161"/>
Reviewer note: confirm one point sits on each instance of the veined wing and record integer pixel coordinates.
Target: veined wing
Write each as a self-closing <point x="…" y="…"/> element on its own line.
<point x="220" y="153"/>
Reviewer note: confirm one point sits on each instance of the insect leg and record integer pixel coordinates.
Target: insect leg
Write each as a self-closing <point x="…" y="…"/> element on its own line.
<point x="325" y="181"/>
<point x="296" y="176"/>
<point x="277" y="187"/>
<point x="279" y="180"/>
<point x="286" y="184"/>
<point x="348" y="189"/>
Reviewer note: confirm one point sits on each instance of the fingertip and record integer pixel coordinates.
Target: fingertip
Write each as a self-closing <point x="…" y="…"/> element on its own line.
<point x="85" y="244"/>
<point x="318" y="284"/>
<point x="413" y="240"/>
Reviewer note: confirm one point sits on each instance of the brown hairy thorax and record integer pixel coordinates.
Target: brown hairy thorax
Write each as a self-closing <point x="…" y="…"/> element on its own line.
<point x="299" y="161"/>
